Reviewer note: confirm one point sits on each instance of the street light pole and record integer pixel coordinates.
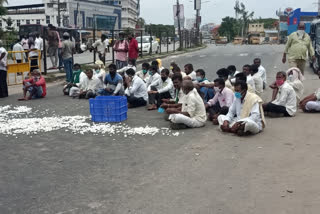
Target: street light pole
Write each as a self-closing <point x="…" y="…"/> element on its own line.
<point x="179" y="27"/>
<point x="59" y="16"/>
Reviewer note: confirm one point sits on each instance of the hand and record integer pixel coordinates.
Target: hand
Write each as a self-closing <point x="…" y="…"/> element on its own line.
<point x="284" y="59"/>
<point x="165" y="100"/>
<point x="164" y="106"/>
<point x="235" y="127"/>
<point x="172" y="111"/>
<point x="225" y="126"/>
<point x="108" y="89"/>
<point x="202" y="84"/>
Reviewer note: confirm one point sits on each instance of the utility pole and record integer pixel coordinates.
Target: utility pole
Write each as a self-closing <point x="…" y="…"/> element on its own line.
<point x="59" y="16"/>
<point x="179" y="26"/>
<point x="197" y="7"/>
<point x="318" y="7"/>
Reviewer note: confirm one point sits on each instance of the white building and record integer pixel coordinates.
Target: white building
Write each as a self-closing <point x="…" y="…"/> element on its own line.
<point x="190" y="23"/>
<point x="73" y="13"/>
<point x="130" y="11"/>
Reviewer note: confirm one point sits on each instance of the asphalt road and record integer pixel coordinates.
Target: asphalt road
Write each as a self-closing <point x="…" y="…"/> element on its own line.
<point x="201" y="171"/>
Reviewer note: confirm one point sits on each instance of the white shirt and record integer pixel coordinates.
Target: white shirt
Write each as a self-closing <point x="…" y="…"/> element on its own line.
<point x="37" y="45"/>
<point x="258" y="84"/>
<point x="137" y="88"/>
<point x="41" y="43"/>
<point x="193" y="75"/>
<point x="193" y="104"/>
<point x="162" y="87"/>
<point x="18" y="47"/>
<point x="298" y="87"/>
<point x="250" y="82"/>
<point x="144" y="77"/>
<point x="287" y="97"/>
<point x="154" y="78"/>
<point x="101" y="46"/>
<point x="263" y="74"/>
<point x="24" y="43"/>
<point x="94" y="84"/>
<point x="3" y="62"/>
<point x="83" y="81"/>
<point x="235" y="112"/>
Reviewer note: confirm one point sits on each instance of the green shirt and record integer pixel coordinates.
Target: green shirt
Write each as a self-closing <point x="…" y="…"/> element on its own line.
<point x="76" y="76"/>
<point x="297" y="48"/>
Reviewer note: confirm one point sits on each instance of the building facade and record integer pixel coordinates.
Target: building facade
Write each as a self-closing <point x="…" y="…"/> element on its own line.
<point x="130" y="11"/>
<point x="73" y="13"/>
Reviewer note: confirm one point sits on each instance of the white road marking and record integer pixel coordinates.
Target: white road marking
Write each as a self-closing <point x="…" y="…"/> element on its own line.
<point x="244" y="54"/>
<point x="228" y="54"/>
<point x="201" y="56"/>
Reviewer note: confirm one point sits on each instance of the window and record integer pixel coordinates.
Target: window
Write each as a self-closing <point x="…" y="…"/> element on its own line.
<point x="18" y="22"/>
<point x="50" y="5"/>
<point x="38" y="21"/>
<point x="47" y="19"/>
<point x="28" y="21"/>
<point x="89" y="22"/>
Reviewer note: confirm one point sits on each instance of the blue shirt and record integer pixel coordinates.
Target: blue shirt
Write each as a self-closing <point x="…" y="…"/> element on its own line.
<point x="114" y="81"/>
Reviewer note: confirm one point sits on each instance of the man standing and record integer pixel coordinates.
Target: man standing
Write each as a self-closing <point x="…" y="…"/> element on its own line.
<point x="101" y="47"/>
<point x="121" y="48"/>
<point x="34" y="49"/>
<point x="40" y="40"/>
<point x="53" y="43"/>
<point x="18" y="48"/>
<point x="133" y="49"/>
<point x="67" y="51"/>
<point x="245" y="115"/>
<point x="3" y="71"/>
<point x="25" y="45"/>
<point x="299" y="43"/>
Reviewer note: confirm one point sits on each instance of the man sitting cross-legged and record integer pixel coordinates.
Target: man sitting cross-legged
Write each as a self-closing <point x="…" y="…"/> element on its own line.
<point x="245" y="115"/>
<point x="311" y="103"/>
<point x="193" y="112"/>
<point x="221" y="102"/>
<point x="36" y="86"/>
<point x="285" y="102"/>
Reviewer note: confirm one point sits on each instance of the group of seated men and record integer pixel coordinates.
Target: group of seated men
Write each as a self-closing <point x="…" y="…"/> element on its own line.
<point x="232" y="101"/>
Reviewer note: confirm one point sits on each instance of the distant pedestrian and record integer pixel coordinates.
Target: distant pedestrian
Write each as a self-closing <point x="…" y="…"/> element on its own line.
<point x="20" y="55"/>
<point x="34" y="50"/>
<point x="25" y="45"/>
<point x="53" y="43"/>
<point x="3" y="71"/>
<point x="298" y="45"/>
<point x="101" y="47"/>
<point x="38" y="37"/>
<point x="67" y="51"/>
<point x="121" y="48"/>
<point x="133" y="49"/>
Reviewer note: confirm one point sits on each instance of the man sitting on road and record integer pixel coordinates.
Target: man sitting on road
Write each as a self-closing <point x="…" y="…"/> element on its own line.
<point x="130" y="65"/>
<point x="285" y="103"/>
<point x="243" y="77"/>
<point x="144" y="73"/>
<point x="262" y="71"/>
<point x="136" y="91"/>
<point x="113" y="83"/>
<point x="93" y="86"/>
<point x="245" y="115"/>
<point x="258" y="82"/>
<point x="311" y="103"/>
<point x="154" y="77"/>
<point x="207" y="92"/>
<point x="233" y="71"/>
<point x="246" y="69"/>
<point x="176" y="69"/>
<point x="193" y="112"/>
<point x="75" y="80"/>
<point x="221" y="102"/>
<point x="161" y="89"/>
<point x="36" y="86"/>
<point x="224" y="73"/>
<point x="157" y="63"/>
<point x="188" y="69"/>
<point x="295" y="79"/>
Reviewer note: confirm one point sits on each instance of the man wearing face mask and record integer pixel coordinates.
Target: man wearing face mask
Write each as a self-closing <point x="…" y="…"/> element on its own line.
<point x="161" y="89"/>
<point x="144" y="73"/>
<point x="113" y="83"/>
<point x="285" y="103"/>
<point x="299" y="43"/>
<point x="121" y="48"/>
<point x="200" y="84"/>
<point x="245" y="115"/>
<point x="295" y="79"/>
<point x="193" y="112"/>
<point x="221" y="102"/>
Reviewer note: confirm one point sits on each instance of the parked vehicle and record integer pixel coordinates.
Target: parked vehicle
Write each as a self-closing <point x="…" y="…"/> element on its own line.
<point x="315" y="38"/>
<point x="221" y="40"/>
<point x="147" y="42"/>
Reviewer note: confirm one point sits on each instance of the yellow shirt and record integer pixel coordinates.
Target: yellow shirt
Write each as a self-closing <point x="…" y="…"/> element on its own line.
<point x="297" y="48"/>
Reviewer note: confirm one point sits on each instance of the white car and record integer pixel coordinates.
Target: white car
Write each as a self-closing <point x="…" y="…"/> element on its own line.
<point x="146" y="46"/>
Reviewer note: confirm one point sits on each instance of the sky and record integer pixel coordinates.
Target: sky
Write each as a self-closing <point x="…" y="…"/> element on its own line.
<point x="161" y="12"/>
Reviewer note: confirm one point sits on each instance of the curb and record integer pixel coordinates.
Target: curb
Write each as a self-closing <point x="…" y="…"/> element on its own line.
<point x="56" y="76"/>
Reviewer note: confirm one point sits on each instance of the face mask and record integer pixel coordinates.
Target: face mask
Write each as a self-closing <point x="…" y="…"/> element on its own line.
<point x="150" y="73"/>
<point x="164" y="79"/>
<point x="97" y="71"/>
<point x="144" y="71"/>
<point x="279" y="82"/>
<point x="199" y="79"/>
<point x="238" y="95"/>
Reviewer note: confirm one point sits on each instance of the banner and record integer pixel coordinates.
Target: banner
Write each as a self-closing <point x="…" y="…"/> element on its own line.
<point x="179" y="13"/>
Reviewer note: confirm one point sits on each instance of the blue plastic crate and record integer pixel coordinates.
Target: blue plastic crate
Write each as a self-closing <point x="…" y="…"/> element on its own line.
<point x="108" y="109"/>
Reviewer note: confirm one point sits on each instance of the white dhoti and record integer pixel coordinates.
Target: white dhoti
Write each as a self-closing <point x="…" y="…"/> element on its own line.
<point x="182" y="119"/>
<point x="250" y="125"/>
<point x="74" y="91"/>
<point x="313" y="106"/>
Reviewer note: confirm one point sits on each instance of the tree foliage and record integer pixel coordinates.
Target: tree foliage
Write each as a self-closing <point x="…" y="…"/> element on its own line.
<point x="3" y="10"/>
<point x="160" y="30"/>
<point x="229" y="27"/>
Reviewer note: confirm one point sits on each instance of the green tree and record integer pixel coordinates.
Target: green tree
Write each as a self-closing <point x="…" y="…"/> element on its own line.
<point x="141" y="22"/>
<point x="160" y="30"/>
<point x="229" y="28"/>
<point x="3" y="10"/>
<point x="245" y="17"/>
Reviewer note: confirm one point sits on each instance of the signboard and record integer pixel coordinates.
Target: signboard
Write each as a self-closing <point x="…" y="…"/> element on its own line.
<point x="289" y="12"/>
<point x="178" y="12"/>
<point x="197" y="4"/>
